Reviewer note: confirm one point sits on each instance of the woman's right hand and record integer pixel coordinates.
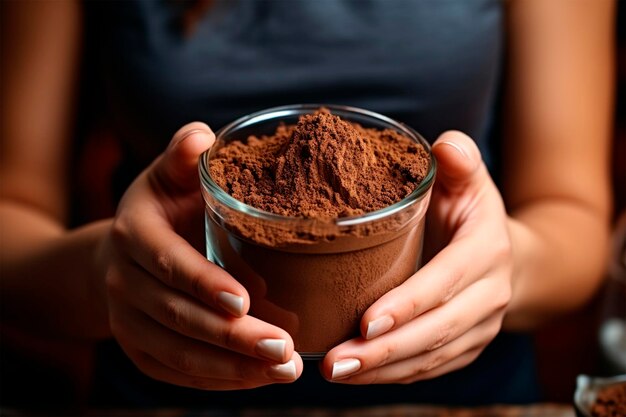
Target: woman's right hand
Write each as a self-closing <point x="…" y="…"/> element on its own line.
<point x="180" y="318"/>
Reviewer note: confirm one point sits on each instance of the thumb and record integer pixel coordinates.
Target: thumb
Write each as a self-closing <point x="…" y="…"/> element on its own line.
<point x="176" y="171"/>
<point x="458" y="160"/>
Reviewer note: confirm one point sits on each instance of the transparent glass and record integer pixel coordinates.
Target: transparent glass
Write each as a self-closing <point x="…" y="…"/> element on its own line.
<point x="612" y="332"/>
<point x="314" y="278"/>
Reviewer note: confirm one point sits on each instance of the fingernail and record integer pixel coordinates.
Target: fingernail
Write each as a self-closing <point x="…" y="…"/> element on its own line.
<point x="379" y="326"/>
<point x="232" y="303"/>
<point x="345" y="367"/>
<point x="283" y="371"/>
<point x="273" y="349"/>
<point x="458" y="148"/>
<point x="184" y="136"/>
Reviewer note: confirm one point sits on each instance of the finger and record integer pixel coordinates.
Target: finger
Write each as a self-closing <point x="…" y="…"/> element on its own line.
<point x="158" y="371"/>
<point x="428" y="332"/>
<point x="475" y="218"/>
<point x="455" y="364"/>
<point x="445" y="276"/>
<point x="421" y="366"/>
<point x="151" y="242"/>
<point x="192" y="357"/>
<point x="176" y="170"/>
<point x="185" y="315"/>
<point x="384" y="376"/>
<point x="144" y="230"/>
<point x="458" y="161"/>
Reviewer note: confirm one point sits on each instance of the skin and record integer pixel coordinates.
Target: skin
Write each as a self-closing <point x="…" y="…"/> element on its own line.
<point x="512" y="258"/>
<point x="547" y="236"/>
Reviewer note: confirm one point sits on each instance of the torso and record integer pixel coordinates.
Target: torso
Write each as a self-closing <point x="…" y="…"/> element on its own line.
<point x="432" y="64"/>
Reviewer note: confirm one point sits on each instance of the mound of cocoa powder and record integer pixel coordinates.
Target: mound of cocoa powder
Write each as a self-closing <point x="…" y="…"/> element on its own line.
<point x="610" y="402"/>
<point x="322" y="167"/>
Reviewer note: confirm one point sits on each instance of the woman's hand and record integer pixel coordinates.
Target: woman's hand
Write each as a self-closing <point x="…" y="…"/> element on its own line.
<point x="180" y="318"/>
<point x="443" y="316"/>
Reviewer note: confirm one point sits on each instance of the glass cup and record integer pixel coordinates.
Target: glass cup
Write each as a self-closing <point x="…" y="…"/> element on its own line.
<point x="313" y="277"/>
<point x="612" y="331"/>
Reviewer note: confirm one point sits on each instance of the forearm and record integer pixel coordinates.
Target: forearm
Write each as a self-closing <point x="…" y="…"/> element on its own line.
<point x="560" y="249"/>
<point x="50" y="284"/>
<point x="557" y="125"/>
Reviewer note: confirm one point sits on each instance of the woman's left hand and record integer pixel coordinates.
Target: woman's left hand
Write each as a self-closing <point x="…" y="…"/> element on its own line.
<point x="443" y="316"/>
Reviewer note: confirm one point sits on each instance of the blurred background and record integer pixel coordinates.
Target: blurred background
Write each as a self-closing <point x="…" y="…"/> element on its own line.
<point x="565" y="349"/>
<point x="574" y="345"/>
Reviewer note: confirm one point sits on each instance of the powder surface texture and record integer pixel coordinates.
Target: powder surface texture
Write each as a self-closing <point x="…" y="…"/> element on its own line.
<point x="611" y="402"/>
<point x="323" y="167"/>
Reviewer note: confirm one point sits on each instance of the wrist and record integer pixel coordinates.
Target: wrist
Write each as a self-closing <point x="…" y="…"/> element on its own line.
<point x="560" y="254"/>
<point x="526" y="245"/>
<point x="56" y="276"/>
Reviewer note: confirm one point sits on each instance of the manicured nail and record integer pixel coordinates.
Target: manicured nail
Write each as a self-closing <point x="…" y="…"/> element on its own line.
<point x="283" y="371"/>
<point x="231" y="303"/>
<point x="273" y="349"/>
<point x="185" y="136"/>
<point x="458" y="148"/>
<point x="379" y="326"/>
<point x="345" y="367"/>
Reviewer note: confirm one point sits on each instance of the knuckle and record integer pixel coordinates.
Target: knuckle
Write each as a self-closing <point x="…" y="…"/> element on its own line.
<point x="174" y="314"/>
<point x="424" y="367"/>
<point x="195" y="282"/>
<point x="386" y="354"/>
<point x="427" y="364"/>
<point x="443" y="336"/>
<point x="450" y="285"/>
<point x="431" y="362"/>
<point x="163" y="261"/>
<point x="415" y="307"/>
<point x="119" y="233"/>
<point x="113" y="282"/>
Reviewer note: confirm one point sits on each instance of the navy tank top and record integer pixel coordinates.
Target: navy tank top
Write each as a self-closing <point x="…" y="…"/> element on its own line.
<point x="432" y="64"/>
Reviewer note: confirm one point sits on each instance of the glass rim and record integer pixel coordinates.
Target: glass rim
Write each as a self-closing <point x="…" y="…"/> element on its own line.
<point x="296" y="109"/>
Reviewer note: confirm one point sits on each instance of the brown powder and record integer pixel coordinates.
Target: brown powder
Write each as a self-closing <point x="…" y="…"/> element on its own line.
<point x="305" y="273"/>
<point x="323" y="167"/>
<point x="320" y="297"/>
<point x="610" y="402"/>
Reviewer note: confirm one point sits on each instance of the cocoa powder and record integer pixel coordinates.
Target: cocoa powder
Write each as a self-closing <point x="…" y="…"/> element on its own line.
<point x="323" y="167"/>
<point x="305" y="273"/>
<point x="610" y="402"/>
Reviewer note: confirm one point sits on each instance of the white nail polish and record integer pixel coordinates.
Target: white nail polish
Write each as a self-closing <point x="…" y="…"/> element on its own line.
<point x="345" y="367"/>
<point x="231" y="303"/>
<point x="284" y="370"/>
<point x="458" y="148"/>
<point x="379" y="326"/>
<point x="273" y="349"/>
